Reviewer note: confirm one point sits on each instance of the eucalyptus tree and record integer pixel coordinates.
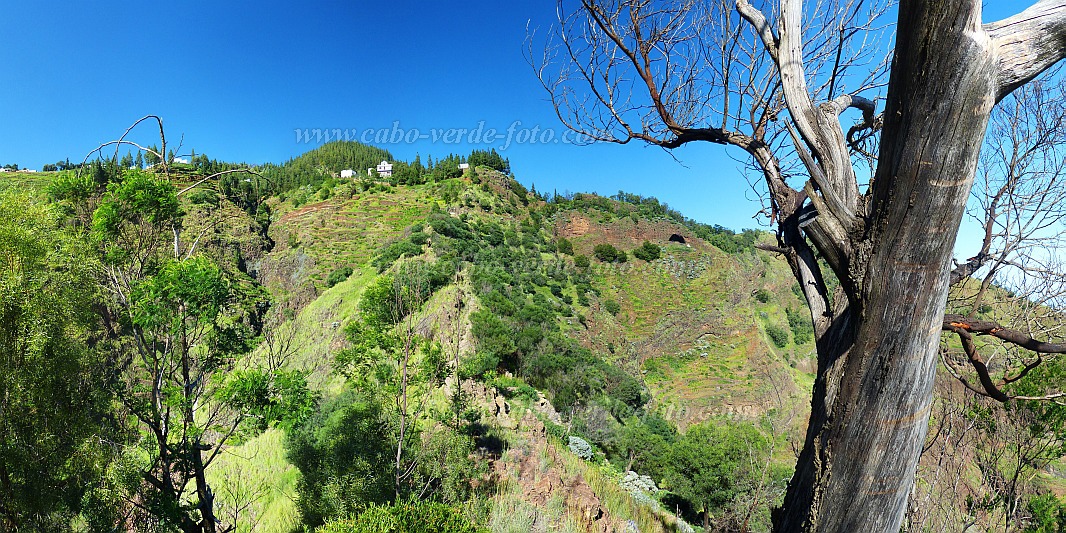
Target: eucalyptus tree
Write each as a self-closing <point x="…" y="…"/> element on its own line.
<point x="776" y="80"/>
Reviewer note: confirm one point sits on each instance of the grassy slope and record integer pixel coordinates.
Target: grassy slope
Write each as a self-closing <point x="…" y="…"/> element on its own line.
<point x="694" y="301"/>
<point x="689" y="322"/>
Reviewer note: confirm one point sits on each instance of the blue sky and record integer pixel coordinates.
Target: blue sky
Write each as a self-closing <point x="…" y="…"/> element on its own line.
<point x="237" y="79"/>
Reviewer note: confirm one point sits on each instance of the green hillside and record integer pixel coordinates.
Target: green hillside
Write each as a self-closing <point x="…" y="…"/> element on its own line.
<point x="445" y="346"/>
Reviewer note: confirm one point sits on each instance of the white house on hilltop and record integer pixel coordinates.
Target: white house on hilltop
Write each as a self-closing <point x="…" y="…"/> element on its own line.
<point x="347" y="173"/>
<point x="384" y="170"/>
<point x="464" y="166"/>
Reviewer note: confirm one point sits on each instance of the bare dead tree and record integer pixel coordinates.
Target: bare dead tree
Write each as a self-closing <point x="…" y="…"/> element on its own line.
<point x="981" y="462"/>
<point x="1020" y="204"/>
<point x="774" y="79"/>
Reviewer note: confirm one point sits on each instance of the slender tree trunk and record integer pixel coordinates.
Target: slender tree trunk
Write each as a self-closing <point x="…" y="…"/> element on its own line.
<point x="877" y="361"/>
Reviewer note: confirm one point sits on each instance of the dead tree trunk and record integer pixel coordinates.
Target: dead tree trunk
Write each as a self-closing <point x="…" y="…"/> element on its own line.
<point x="890" y="246"/>
<point x="878" y="359"/>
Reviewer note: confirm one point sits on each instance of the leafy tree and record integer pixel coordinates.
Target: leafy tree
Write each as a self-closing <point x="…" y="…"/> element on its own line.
<point x="176" y="326"/>
<point x="712" y="463"/>
<point x="344" y="454"/>
<point x="388" y="355"/>
<point x="644" y="445"/>
<point x="53" y="409"/>
<point x="191" y="320"/>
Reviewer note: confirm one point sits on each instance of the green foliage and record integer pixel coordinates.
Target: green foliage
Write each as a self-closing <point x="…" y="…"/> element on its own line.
<point x="413" y="516"/>
<point x="279" y="397"/>
<point x="338" y="275"/>
<point x="134" y="211"/>
<point x="1048" y="514"/>
<point x="778" y="335"/>
<point x="714" y="462"/>
<point x="647" y="251"/>
<point x="394" y="251"/>
<point x="53" y="411"/>
<point x="489" y="158"/>
<point x="609" y="254"/>
<point x="447" y="464"/>
<point x="344" y="455"/>
<point x="644" y="445"/>
<point x="565" y="246"/>
<point x="799" y="322"/>
<point x="581" y="261"/>
<point x="763" y="295"/>
<point x="612" y="306"/>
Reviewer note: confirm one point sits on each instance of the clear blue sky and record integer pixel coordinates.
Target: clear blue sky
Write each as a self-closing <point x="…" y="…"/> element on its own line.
<point x="236" y="79"/>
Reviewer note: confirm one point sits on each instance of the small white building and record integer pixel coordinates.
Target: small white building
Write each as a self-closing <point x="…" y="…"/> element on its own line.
<point x="384" y="170"/>
<point x="2" y="169"/>
<point x="180" y="160"/>
<point x="347" y="173"/>
<point x="464" y="166"/>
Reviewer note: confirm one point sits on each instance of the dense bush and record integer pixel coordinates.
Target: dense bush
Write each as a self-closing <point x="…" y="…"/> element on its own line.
<point x="344" y="453"/>
<point x="393" y="252"/>
<point x="338" y="275"/>
<point x="1048" y="514"/>
<point x="647" y="251"/>
<point x="714" y="462"/>
<point x="763" y="295"/>
<point x="612" y="307"/>
<point x="609" y="254"/>
<point x="565" y="246"/>
<point x="778" y="335"/>
<point x="581" y="261"/>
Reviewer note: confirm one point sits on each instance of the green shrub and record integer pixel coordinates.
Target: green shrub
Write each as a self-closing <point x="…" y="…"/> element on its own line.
<point x="763" y="295"/>
<point x="714" y="462"/>
<point x="477" y="365"/>
<point x="338" y="275"/>
<point x="612" y="307"/>
<point x="418" y="238"/>
<point x="778" y="335"/>
<point x="581" y="261"/>
<point x="1048" y="514"/>
<point x="394" y="251"/>
<point x="608" y="254"/>
<point x="647" y="251"/>
<point x="415" y="516"/>
<point x="800" y="324"/>
<point x="565" y="246"/>
<point x="344" y="454"/>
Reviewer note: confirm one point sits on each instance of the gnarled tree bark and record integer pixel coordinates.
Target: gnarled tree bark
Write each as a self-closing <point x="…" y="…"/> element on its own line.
<point x="890" y="246"/>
